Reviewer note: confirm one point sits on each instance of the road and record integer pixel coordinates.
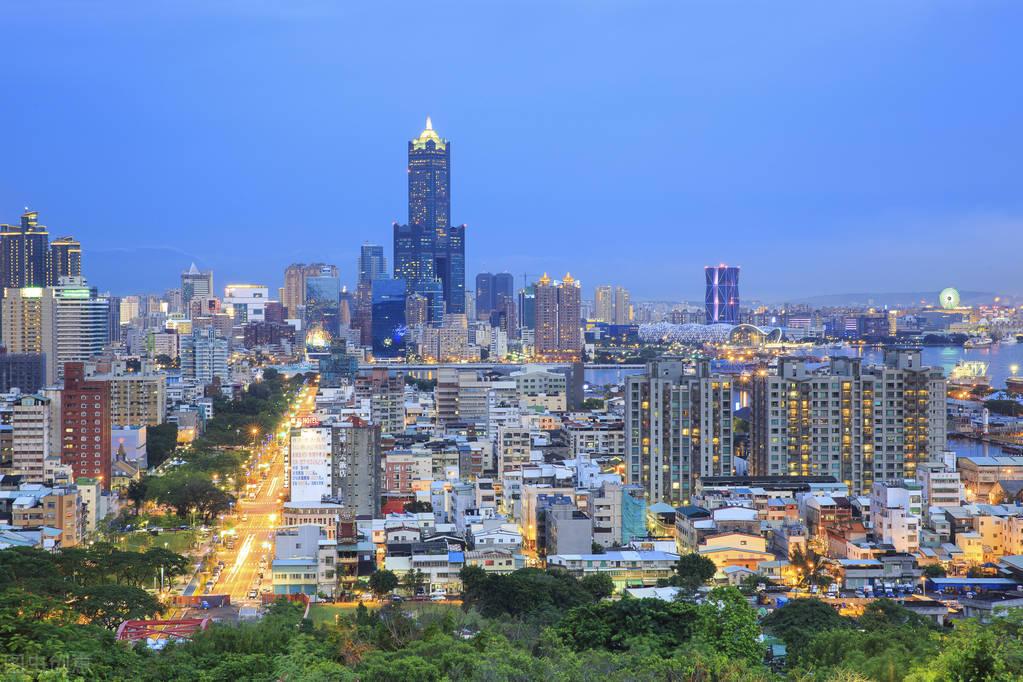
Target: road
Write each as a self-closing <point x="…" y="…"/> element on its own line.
<point x="258" y="514"/>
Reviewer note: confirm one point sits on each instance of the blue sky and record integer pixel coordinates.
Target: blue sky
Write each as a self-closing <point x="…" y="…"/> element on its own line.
<point x="826" y="147"/>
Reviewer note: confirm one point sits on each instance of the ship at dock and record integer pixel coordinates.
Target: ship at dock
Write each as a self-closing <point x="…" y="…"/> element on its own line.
<point x="969" y="374"/>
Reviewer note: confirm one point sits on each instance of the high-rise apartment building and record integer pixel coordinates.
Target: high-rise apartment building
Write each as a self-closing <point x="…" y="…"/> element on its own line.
<point x="204" y="356"/>
<point x="603" y="304"/>
<point x="722" y="297"/>
<point x="860" y="424"/>
<point x="558" y="319"/>
<point x="31" y="436"/>
<point x="356" y="470"/>
<point x="461" y="398"/>
<point x="24" y="253"/>
<point x="195" y="284"/>
<point x="137" y="398"/>
<point x="429" y="252"/>
<point x="65" y="259"/>
<point x="622" y="311"/>
<point x="85" y="425"/>
<point x="386" y="395"/>
<point x="678" y="427"/>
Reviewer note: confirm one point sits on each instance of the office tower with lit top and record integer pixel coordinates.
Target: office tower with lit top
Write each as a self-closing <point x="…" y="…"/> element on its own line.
<point x="429" y="252"/>
<point x="722" y="297"/>
<point x="195" y="284"/>
<point x="65" y="259"/>
<point x="24" y="253"/>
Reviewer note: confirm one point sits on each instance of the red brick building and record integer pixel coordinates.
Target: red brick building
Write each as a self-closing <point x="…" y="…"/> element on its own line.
<point x="85" y="424"/>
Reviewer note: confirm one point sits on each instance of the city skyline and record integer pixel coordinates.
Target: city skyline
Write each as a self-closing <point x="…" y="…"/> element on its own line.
<point x="778" y="165"/>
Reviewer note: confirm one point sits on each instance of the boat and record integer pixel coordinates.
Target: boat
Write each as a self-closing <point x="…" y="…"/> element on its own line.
<point x="1008" y="340"/>
<point x="978" y="342"/>
<point x="969" y="374"/>
<point x="1014" y="384"/>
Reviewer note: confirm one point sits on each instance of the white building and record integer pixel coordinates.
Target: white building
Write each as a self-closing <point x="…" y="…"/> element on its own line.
<point x="309" y="459"/>
<point x="896" y="508"/>
<point x="246" y="302"/>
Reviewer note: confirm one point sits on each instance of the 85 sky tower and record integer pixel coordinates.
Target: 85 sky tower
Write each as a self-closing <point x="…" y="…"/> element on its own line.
<point x="429" y="252"/>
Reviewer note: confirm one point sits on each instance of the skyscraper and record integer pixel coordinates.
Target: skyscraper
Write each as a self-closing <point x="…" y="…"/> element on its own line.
<point x="24" y="253"/>
<point x="558" y="335"/>
<point x="429" y="180"/>
<point x="372" y="263"/>
<point x="195" y="284"/>
<point x="603" y="307"/>
<point x="389" y="330"/>
<point x="65" y="259"/>
<point x="722" y="299"/>
<point x="429" y="250"/>
<point x="323" y="300"/>
<point x="622" y="311"/>
<point x="491" y="289"/>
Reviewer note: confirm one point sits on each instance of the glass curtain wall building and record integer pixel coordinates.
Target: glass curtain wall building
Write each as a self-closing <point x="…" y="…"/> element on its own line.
<point x="722" y="298"/>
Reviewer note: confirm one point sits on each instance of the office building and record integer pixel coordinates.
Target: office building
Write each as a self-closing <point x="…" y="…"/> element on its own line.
<point x="195" y="284"/>
<point x="722" y="297"/>
<point x="678" y="428"/>
<point x="63" y="323"/>
<point x="85" y="425"/>
<point x="491" y="291"/>
<point x="372" y="263"/>
<point x="65" y="259"/>
<point x="246" y="302"/>
<point x="204" y="357"/>
<point x="389" y="331"/>
<point x="24" y="253"/>
<point x="558" y="318"/>
<point x="858" y="423"/>
<point x="527" y="307"/>
<point x="294" y="291"/>
<point x="429" y="252"/>
<point x="322" y="301"/>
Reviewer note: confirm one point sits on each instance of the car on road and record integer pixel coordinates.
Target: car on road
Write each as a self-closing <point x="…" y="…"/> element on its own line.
<point x="253" y="594"/>
<point x="438" y="597"/>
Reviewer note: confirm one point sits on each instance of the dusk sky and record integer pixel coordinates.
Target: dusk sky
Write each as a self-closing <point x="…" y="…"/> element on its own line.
<point x="825" y="147"/>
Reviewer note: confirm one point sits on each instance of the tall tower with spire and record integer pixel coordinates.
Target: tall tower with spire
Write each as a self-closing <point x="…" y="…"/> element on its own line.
<point x="429" y="252"/>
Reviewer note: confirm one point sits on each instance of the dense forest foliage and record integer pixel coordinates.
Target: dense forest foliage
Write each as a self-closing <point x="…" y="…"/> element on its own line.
<point x="58" y="612"/>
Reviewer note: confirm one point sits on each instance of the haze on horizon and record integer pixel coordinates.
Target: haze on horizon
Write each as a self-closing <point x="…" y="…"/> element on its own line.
<point x="826" y="148"/>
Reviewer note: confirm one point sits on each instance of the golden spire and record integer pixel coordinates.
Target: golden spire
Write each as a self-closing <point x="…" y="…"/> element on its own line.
<point x="568" y="278"/>
<point x="545" y="280"/>
<point x="429" y="134"/>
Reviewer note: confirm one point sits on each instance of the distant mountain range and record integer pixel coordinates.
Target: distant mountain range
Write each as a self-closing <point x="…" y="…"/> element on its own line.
<point x="881" y="300"/>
